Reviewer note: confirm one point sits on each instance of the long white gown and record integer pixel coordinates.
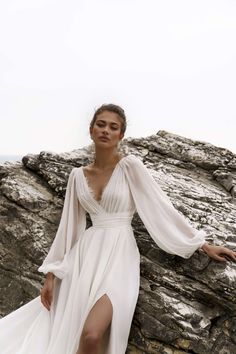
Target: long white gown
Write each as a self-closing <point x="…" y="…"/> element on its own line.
<point x="102" y="259"/>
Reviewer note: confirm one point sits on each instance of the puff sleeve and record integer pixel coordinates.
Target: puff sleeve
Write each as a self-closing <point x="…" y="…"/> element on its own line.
<point x="72" y="224"/>
<point x="170" y="230"/>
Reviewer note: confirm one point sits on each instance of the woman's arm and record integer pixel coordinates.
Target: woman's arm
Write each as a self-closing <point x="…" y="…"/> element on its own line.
<point x="166" y="225"/>
<point x="50" y="276"/>
<point x="72" y="224"/>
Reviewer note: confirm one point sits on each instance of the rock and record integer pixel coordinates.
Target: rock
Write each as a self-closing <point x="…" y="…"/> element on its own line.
<point x="184" y="305"/>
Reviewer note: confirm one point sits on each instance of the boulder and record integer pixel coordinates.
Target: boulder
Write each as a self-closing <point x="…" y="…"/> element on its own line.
<point x="184" y="305"/>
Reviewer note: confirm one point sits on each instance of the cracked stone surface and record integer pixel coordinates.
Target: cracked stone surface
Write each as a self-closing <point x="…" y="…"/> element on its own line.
<point x="184" y="305"/>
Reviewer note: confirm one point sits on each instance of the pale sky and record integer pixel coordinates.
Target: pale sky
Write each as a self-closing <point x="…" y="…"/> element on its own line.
<point x="170" y="64"/>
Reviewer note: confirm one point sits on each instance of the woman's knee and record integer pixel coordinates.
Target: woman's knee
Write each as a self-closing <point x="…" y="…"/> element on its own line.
<point x="91" y="338"/>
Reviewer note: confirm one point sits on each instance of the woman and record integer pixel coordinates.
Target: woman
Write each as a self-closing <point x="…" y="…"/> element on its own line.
<point x="92" y="275"/>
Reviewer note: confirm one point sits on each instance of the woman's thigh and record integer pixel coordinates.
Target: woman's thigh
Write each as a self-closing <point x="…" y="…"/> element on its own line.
<point x="99" y="317"/>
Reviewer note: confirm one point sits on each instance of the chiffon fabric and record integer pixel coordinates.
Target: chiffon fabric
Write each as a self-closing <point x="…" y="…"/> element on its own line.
<point x="101" y="259"/>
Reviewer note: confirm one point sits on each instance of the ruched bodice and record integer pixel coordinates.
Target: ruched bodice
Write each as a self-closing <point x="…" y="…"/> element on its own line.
<point x="116" y="196"/>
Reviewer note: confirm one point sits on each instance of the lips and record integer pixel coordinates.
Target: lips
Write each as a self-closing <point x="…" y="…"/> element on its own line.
<point x="103" y="138"/>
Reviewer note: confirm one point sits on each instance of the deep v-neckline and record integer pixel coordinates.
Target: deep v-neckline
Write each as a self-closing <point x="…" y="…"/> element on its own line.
<point x="91" y="190"/>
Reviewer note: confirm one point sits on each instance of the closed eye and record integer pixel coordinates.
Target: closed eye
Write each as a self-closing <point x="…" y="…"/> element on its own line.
<point x="103" y="124"/>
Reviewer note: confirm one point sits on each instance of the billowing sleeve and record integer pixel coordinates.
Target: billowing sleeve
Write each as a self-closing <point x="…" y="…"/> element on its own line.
<point x="170" y="230"/>
<point x="72" y="224"/>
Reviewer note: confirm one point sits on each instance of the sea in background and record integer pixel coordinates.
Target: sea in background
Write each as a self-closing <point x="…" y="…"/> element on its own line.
<point x="4" y="158"/>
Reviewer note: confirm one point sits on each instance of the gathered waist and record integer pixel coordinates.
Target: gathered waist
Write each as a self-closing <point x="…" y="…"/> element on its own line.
<point x="111" y="220"/>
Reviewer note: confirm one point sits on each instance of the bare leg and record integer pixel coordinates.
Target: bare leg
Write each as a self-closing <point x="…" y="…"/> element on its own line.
<point x="95" y="326"/>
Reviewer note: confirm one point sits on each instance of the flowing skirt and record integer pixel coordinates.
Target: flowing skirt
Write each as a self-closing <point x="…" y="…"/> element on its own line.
<point x="103" y="261"/>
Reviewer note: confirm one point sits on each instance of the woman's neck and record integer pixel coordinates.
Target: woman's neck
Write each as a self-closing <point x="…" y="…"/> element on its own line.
<point x="105" y="159"/>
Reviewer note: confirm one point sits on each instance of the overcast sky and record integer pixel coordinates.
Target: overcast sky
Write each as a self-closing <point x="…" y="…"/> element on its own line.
<point x="170" y="64"/>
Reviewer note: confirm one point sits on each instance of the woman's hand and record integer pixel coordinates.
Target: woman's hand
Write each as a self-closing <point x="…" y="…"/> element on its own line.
<point x="219" y="253"/>
<point x="47" y="291"/>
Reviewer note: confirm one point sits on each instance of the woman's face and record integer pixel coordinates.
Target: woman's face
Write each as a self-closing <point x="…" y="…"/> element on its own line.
<point x="106" y="130"/>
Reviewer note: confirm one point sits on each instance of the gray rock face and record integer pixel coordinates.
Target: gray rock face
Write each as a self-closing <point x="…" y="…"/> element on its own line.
<point x="184" y="305"/>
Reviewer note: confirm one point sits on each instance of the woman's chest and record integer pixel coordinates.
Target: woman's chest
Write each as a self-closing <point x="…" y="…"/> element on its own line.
<point x="114" y="196"/>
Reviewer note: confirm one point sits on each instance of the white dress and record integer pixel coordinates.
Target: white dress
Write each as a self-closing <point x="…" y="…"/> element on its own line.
<point x="102" y="259"/>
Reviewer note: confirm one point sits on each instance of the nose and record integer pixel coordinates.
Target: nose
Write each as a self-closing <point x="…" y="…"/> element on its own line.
<point x="105" y="129"/>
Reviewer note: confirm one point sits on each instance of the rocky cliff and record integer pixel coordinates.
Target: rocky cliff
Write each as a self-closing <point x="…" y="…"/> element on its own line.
<point x="184" y="305"/>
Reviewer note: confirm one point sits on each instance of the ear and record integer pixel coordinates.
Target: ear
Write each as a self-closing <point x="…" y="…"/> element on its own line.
<point x="121" y="135"/>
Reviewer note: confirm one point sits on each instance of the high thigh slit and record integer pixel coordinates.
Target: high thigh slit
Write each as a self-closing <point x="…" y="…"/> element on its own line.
<point x="101" y="259"/>
<point x="106" y="336"/>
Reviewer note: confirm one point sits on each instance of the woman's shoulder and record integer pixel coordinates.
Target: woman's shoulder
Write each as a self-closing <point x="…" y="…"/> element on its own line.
<point x="131" y="163"/>
<point x="124" y="159"/>
<point x="87" y="168"/>
<point x="131" y="158"/>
